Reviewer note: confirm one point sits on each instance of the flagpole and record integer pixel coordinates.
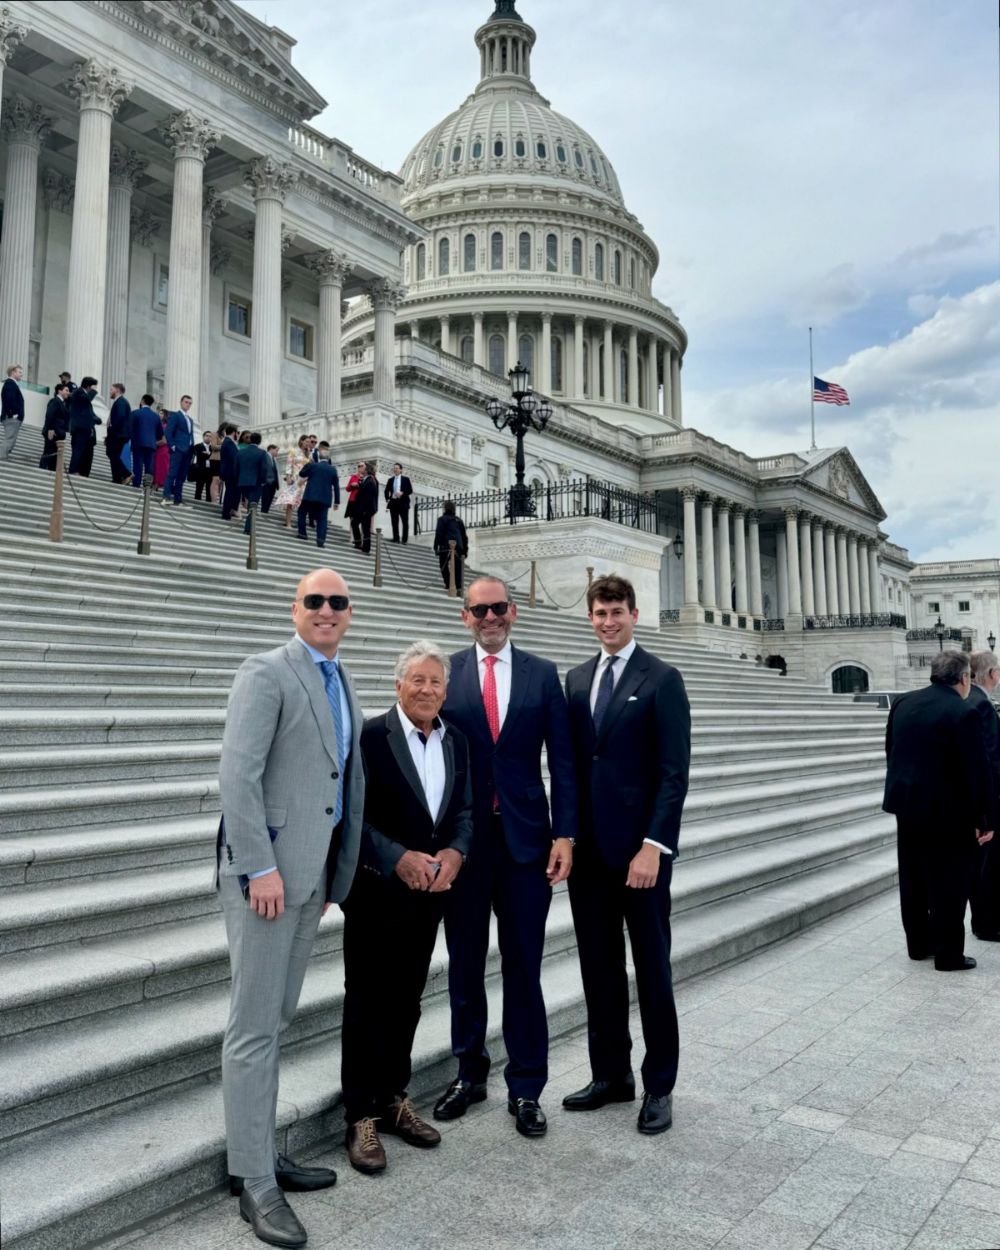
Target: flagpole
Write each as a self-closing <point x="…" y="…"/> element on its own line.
<point x="812" y="392"/>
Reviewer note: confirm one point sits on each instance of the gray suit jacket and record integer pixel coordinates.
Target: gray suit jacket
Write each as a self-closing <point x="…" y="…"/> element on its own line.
<point x="279" y="775"/>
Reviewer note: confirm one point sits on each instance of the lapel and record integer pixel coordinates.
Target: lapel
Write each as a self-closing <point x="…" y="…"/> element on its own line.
<point x="312" y="681"/>
<point x="628" y="684"/>
<point x="448" y="746"/>
<point x="580" y="693"/>
<point x="468" y="685"/>
<point x="402" y="756"/>
<point x="519" y="680"/>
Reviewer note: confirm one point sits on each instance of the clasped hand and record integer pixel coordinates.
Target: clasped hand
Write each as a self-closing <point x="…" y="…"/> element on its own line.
<point x="433" y="873"/>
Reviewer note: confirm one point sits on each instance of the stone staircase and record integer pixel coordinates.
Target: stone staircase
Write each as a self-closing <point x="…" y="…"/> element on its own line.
<point x="113" y="968"/>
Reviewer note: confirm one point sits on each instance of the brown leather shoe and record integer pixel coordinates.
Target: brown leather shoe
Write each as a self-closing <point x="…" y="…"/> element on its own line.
<point x="401" y="1120"/>
<point x="364" y="1149"/>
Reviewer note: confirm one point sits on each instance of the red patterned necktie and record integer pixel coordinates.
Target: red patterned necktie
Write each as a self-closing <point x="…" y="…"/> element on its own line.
<point x="490" y="697"/>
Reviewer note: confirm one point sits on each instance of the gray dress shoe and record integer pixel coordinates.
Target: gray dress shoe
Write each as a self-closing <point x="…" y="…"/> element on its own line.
<point x="272" y="1218"/>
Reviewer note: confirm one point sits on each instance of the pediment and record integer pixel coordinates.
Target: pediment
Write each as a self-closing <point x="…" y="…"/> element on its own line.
<point x="839" y="475"/>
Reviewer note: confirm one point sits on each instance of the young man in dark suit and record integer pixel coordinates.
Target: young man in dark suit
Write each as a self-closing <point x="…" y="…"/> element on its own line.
<point x="416" y="835"/>
<point x="271" y="477"/>
<point x="147" y="434"/>
<point x="940" y="786"/>
<point x="11" y="410"/>
<point x="398" y="490"/>
<point x="985" y="899"/>
<point x="631" y="727"/>
<point x="82" y="427"/>
<point x="56" y="426"/>
<point x="510" y="706"/>
<point x="321" y="493"/>
<point x="180" y="438"/>
<point x="363" y="507"/>
<point x="118" y="432"/>
<point x="229" y="472"/>
<point x="252" y="467"/>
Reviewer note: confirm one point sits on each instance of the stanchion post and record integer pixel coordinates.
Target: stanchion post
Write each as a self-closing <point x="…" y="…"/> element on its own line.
<point x="143" y="546"/>
<point x="531" y="589"/>
<point x="56" y="519"/>
<point x="377" y="579"/>
<point x="452" y="587"/>
<point x="252" y="505"/>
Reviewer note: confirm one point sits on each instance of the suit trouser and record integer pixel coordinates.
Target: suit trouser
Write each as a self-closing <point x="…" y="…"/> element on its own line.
<point x="142" y="463"/>
<point x="399" y="515"/>
<point x="82" y="458"/>
<point x="9" y="430"/>
<point x="985" y="897"/>
<point x="361" y="528"/>
<point x="230" y="497"/>
<point x="602" y="905"/>
<point x="268" y="960"/>
<point x="267" y="496"/>
<point x="203" y="484"/>
<point x="389" y="934"/>
<point x="113" y="447"/>
<point x="316" y="514"/>
<point x="180" y="462"/>
<point x="937" y="869"/>
<point x="47" y="460"/>
<point x="520" y="895"/>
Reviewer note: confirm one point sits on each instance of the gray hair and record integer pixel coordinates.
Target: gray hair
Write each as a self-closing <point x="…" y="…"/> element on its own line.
<point x="488" y="577"/>
<point x="323" y="453"/>
<point x="982" y="662"/>
<point x="949" y="667"/>
<point x="422" y="649"/>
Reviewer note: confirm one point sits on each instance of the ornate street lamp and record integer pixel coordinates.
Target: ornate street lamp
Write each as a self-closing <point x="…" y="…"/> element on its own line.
<point x="991" y="640"/>
<point x="678" y="546"/>
<point x="528" y="412"/>
<point x="940" y="629"/>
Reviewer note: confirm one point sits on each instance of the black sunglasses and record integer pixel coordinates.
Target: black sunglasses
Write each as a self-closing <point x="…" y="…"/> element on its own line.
<point x="479" y="610"/>
<point x="314" y="602"/>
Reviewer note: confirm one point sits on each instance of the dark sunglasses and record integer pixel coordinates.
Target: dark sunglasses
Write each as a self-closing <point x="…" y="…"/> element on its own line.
<point x="479" y="610"/>
<point x="314" y="602"/>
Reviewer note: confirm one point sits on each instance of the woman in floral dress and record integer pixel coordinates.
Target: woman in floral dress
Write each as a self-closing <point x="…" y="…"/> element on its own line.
<point x="290" y="495"/>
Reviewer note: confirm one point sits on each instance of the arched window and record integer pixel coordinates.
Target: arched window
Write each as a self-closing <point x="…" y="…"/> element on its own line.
<point x="444" y="257"/>
<point x="578" y="158"/>
<point x="477" y="149"/>
<point x="498" y="359"/>
<point x="849" y="679"/>
<point x="631" y="274"/>
<point x="526" y="351"/>
<point x="541" y="150"/>
<point x="586" y="367"/>
<point x="438" y="158"/>
<point x="578" y="257"/>
<point x="524" y="250"/>
<point x="498" y="146"/>
<point x="623" y="376"/>
<point x="466" y="348"/>
<point x="519" y="148"/>
<point x="469" y="254"/>
<point x="421" y="262"/>
<point x="557" y="363"/>
<point x="496" y="250"/>
<point x="618" y="268"/>
<point x="599" y="261"/>
<point x="456" y="153"/>
<point x="551" y="254"/>
<point x="593" y="165"/>
<point x="560" y="153"/>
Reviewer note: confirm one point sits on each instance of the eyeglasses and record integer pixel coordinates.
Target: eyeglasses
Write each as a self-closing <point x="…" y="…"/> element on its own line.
<point x="313" y="603"/>
<point x="479" y="610"/>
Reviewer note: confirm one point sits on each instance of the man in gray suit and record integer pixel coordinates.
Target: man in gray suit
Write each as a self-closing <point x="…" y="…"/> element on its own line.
<point x="292" y="789"/>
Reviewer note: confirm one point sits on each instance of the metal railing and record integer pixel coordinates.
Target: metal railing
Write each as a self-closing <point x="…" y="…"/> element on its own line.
<point x="770" y="625"/>
<point x="930" y="635"/>
<point x="864" y="620"/>
<point x="487" y="508"/>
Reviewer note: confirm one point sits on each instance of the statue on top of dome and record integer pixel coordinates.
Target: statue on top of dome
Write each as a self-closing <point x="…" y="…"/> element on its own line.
<point x="505" y="9"/>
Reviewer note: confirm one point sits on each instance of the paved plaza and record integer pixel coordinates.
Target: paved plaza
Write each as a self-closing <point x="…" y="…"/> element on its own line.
<point x="832" y="1095"/>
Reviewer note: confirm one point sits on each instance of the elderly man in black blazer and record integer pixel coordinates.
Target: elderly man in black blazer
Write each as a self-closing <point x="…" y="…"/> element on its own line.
<point x="416" y="834"/>
<point x="941" y="788"/>
<point x="631" y="727"/>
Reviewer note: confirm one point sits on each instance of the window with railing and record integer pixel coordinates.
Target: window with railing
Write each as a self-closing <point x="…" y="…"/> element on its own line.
<point x="577" y="252"/>
<point x="599" y="261"/>
<point x="496" y="250"/>
<point x="498" y="355"/>
<point x="526" y="351"/>
<point x="469" y="253"/>
<point x="524" y="250"/>
<point x="551" y="254"/>
<point x="444" y="257"/>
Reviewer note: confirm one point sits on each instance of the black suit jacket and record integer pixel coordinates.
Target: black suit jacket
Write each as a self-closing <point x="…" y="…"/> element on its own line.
<point x="82" y="418"/>
<point x="229" y="469"/>
<point x="11" y="401"/>
<point x="322" y="484"/>
<point x="397" y="818"/>
<point x="939" y="774"/>
<point x="406" y="490"/>
<point x="448" y="527"/>
<point x="56" y="420"/>
<point x="365" y="501"/>
<point x="512" y="767"/>
<point x="633" y="775"/>
<point x="251" y="465"/>
<point x="120" y="420"/>
<point x="989" y="718"/>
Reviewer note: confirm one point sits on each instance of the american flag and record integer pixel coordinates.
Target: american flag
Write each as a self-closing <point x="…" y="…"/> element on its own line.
<point x="829" y="392"/>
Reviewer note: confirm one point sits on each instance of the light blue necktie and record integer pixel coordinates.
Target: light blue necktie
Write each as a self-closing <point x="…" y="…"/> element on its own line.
<point x="331" y="680"/>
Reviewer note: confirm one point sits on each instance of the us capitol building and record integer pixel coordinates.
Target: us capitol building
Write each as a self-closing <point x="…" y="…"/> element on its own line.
<point x="171" y="220"/>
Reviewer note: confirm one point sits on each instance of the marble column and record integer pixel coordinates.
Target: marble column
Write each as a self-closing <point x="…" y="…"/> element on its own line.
<point x="864" y="578"/>
<point x="781" y="572"/>
<point x="794" y="571"/>
<point x="11" y="36"/>
<point x="756" y="583"/>
<point x="595" y="365"/>
<point x="511" y="340"/>
<point x="386" y="297"/>
<point x="478" y="341"/>
<point x="332" y="269"/>
<point x="843" y="588"/>
<point x="446" y="333"/>
<point x="819" y="569"/>
<point x="675" y="388"/>
<point x="608" y="394"/>
<point x="270" y="181"/>
<point x="740" y="560"/>
<point x="690" y="496"/>
<point x="24" y="127"/>
<point x="652" y="377"/>
<point x="832" y="593"/>
<point x="578" y="358"/>
<point x="100" y="91"/>
<point x="126" y="166"/>
<point x="207" y="400"/>
<point x="806" y="566"/>
<point x="725" y="598"/>
<point x="708" y="551"/>
<point x="667" y="391"/>
<point x="633" y="367"/>
<point x="853" y="581"/>
<point x="545" y="373"/>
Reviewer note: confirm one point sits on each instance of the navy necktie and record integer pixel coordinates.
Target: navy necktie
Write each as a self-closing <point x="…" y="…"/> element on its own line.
<point x="605" y="690"/>
<point x="331" y="679"/>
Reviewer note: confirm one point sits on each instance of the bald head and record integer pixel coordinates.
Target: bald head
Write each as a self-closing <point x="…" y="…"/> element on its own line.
<point x="317" y="622"/>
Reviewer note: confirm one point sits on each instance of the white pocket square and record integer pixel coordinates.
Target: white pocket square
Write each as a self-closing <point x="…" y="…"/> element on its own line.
<point x="632" y="698"/>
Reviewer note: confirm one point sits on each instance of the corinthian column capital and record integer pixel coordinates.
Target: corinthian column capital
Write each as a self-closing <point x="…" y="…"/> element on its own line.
<point x="98" y="86"/>
<point x="11" y="34"/>
<point x="24" y="122"/>
<point x="212" y="206"/>
<point x="144" y="226"/>
<point x="186" y="134"/>
<point x="269" y="179"/>
<point x="331" y="267"/>
<point x="126" y="167"/>
<point x="57" y="191"/>
<point x="386" y="296"/>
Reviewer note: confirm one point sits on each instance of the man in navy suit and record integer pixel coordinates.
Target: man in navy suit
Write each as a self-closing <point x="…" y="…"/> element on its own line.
<point x="56" y="426"/>
<point x="229" y="472"/>
<point x="398" y="490"/>
<point x="119" y="429"/>
<point x="11" y="410"/>
<point x="271" y="478"/>
<point x="252" y="473"/>
<point x="509" y="704"/>
<point x="322" y="491"/>
<point x="147" y="433"/>
<point x="82" y="427"/>
<point x="180" y="439"/>
<point x="631" y="726"/>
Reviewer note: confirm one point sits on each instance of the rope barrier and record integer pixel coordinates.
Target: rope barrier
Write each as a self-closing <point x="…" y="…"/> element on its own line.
<point x="409" y="585"/>
<point x="103" y="529"/>
<point x="563" y="607"/>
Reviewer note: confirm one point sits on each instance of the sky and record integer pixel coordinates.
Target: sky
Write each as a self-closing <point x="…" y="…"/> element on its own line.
<point x="831" y="163"/>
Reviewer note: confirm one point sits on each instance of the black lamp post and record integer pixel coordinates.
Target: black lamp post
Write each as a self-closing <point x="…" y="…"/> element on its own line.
<point x="940" y="629"/>
<point x="527" y="412"/>
<point x="991" y="640"/>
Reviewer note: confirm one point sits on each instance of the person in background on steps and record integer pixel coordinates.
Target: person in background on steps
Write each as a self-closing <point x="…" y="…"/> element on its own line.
<point x="65" y="379"/>
<point x="940" y="787"/>
<point x="451" y="526"/>
<point x="11" y="410"/>
<point x="985" y="897"/>
<point x="322" y="491"/>
<point x="82" y="427"/>
<point x="290" y="495"/>
<point x="180" y="440"/>
<point x="202" y="456"/>
<point x="292" y="791"/>
<point x="631" y="727"/>
<point x="147" y="436"/>
<point x="398" y="490"/>
<point x="416" y="835"/>
<point x="271" y="478"/>
<point x="253" y="470"/>
<point x="118" y="431"/>
<point x="161" y="461"/>
<point x="363" y="506"/>
<point x="229" y="472"/>
<point x="56" y="426"/>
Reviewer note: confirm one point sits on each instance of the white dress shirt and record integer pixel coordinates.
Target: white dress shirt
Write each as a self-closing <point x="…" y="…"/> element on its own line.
<point x="502" y="671"/>
<point x="428" y="760"/>
<point x="397" y="484"/>
<point x="624" y="655"/>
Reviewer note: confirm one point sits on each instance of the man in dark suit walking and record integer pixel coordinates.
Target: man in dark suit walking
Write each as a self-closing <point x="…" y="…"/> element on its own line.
<point x="147" y="434"/>
<point x="56" y="426"/>
<point x="11" y="409"/>
<point x="509" y="705"/>
<point x="118" y="432"/>
<point x="271" y="478"/>
<point x="397" y="495"/>
<point x="985" y="899"/>
<point x="180" y="439"/>
<point x="416" y="835"/>
<point x="82" y="427"/>
<point x="229" y="472"/>
<point x="363" y="507"/>
<point x="252" y="467"/>
<point x="940" y="786"/>
<point x="631" y="728"/>
<point x="321" y="493"/>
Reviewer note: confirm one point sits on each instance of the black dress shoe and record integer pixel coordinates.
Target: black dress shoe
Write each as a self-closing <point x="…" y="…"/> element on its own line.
<point x="293" y="1177"/>
<point x="962" y="964"/>
<point x="272" y="1218"/>
<point x="457" y="1098"/>
<point x="987" y="937"/>
<point x="656" y="1114"/>
<point x="599" y="1093"/>
<point x="528" y="1115"/>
